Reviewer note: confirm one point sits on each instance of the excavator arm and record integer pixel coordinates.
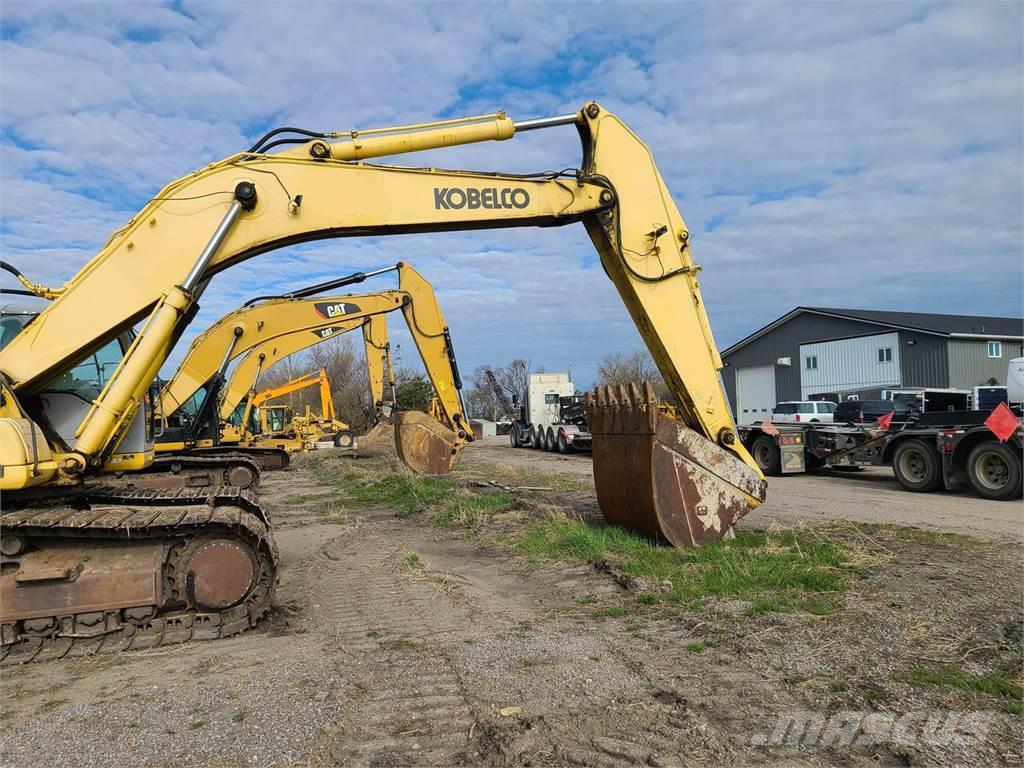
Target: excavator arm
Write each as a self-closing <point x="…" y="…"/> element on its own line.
<point x="153" y="271"/>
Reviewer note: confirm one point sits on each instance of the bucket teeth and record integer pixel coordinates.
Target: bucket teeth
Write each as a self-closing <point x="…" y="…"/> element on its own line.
<point x="656" y="476"/>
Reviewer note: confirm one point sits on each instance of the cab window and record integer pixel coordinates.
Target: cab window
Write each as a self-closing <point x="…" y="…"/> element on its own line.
<point x="88" y="378"/>
<point x="191" y="406"/>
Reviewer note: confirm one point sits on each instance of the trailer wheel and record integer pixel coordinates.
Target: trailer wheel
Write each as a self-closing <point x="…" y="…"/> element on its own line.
<point x="917" y="466"/>
<point x="766" y="454"/>
<point x="994" y="471"/>
<point x="563" y="444"/>
<point x="536" y="437"/>
<point x="549" y="440"/>
<point x="513" y="436"/>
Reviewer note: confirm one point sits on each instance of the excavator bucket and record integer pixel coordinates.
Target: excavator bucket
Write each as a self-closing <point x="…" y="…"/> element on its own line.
<point x="656" y="476"/>
<point x="425" y="445"/>
<point x="379" y="441"/>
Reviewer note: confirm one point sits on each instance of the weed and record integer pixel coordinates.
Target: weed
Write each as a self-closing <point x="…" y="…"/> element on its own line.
<point x="411" y="559"/>
<point x="240" y="715"/>
<point x="530" y="663"/>
<point x="695" y="647"/>
<point x="197" y="724"/>
<point x="374" y="633"/>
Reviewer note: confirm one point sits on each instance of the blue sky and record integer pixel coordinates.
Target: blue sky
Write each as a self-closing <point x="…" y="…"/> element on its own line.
<point x="856" y="155"/>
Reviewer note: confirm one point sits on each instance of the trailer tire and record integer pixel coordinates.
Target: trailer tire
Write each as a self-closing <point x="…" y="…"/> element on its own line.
<point x="563" y="444"/>
<point x="344" y="439"/>
<point x="513" y="436"/>
<point x="767" y="455"/>
<point x="917" y="466"/>
<point x="994" y="471"/>
<point x="536" y="437"/>
<point x="549" y="440"/>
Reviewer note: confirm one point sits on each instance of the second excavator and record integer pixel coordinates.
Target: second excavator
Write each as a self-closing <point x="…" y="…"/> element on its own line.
<point x="198" y="399"/>
<point x="84" y="564"/>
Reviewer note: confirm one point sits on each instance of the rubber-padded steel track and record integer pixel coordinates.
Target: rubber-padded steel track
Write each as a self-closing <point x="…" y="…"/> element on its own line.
<point x="106" y="514"/>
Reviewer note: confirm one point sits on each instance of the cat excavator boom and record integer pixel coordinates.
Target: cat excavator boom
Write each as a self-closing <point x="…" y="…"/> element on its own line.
<point x="75" y="387"/>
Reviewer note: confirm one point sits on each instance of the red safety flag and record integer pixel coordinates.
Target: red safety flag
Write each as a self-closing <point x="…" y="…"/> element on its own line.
<point x="1002" y="422"/>
<point x="768" y="428"/>
<point x="885" y="421"/>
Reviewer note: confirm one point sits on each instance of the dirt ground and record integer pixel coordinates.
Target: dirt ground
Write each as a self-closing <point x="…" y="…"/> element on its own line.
<point x="395" y="642"/>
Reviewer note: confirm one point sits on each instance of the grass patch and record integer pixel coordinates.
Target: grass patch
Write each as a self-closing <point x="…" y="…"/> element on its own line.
<point x="240" y="715"/>
<point x="695" y="647"/>
<point x="469" y="510"/>
<point x="411" y="559"/>
<point x="775" y="572"/>
<point x="303" y="498"/>
<point x="952" y="676"/>
<point x="613" y="612"/>
<point x="197" y="724"/>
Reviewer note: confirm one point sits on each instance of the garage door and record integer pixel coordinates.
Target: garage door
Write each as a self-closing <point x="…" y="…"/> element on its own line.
<point x="755" y="393"/>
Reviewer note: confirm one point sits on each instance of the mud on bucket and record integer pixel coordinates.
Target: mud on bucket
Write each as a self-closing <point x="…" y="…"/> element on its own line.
<point x="424" y="444"/>
<point x="658" y="477"/>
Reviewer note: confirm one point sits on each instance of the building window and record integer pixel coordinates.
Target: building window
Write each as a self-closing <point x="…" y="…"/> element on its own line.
<point x="885" y="354"/>
<point x="995" y="349"/>
<point x="811" y="362"/>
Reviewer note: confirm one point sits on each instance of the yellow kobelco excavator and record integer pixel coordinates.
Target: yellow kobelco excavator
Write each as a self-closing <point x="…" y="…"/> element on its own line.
<point x="267" y="329"/>
<point x="108" y="568"/>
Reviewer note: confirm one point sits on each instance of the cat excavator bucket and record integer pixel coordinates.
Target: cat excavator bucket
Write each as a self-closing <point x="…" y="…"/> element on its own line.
<point x="658" y="477"/>
<point x="423" y="443"/>
<point x="379" y="440"/>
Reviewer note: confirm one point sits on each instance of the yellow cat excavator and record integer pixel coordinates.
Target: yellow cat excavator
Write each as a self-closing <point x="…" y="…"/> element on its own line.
<point x="101" y="567"/>
<point x="267" y="329"/>
<point x="239" y="392"/>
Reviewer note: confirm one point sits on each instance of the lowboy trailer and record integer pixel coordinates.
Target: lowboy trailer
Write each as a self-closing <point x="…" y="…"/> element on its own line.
<point x="943" y="450"/>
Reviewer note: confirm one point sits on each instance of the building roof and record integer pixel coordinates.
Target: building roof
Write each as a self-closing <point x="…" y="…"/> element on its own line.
<point x="950" y="325"/>
<point x="954" y="326"/>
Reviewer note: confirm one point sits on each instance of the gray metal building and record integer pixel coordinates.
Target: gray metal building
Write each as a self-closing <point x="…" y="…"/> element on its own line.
<point x="813" y="351"/>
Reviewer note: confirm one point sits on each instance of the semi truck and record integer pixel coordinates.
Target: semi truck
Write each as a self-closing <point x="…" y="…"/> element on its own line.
<point x="932" y="451"/>
<point x="553" y="417"/>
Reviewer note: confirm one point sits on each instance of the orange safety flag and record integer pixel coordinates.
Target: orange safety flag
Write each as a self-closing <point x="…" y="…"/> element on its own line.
<point x="768" y="428"/>
<point x="1003" y="422"/>
<point x="885" y="421"/>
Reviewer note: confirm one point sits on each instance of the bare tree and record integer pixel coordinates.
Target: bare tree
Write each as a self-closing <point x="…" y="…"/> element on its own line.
<point x="618" y="368"/>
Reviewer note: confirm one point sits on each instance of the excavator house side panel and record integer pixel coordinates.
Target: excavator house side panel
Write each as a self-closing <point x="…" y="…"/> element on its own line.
<point x="425" y="445"/>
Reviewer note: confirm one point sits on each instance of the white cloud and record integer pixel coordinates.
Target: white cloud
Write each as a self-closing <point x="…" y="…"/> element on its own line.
<point x="863" y="156"/>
